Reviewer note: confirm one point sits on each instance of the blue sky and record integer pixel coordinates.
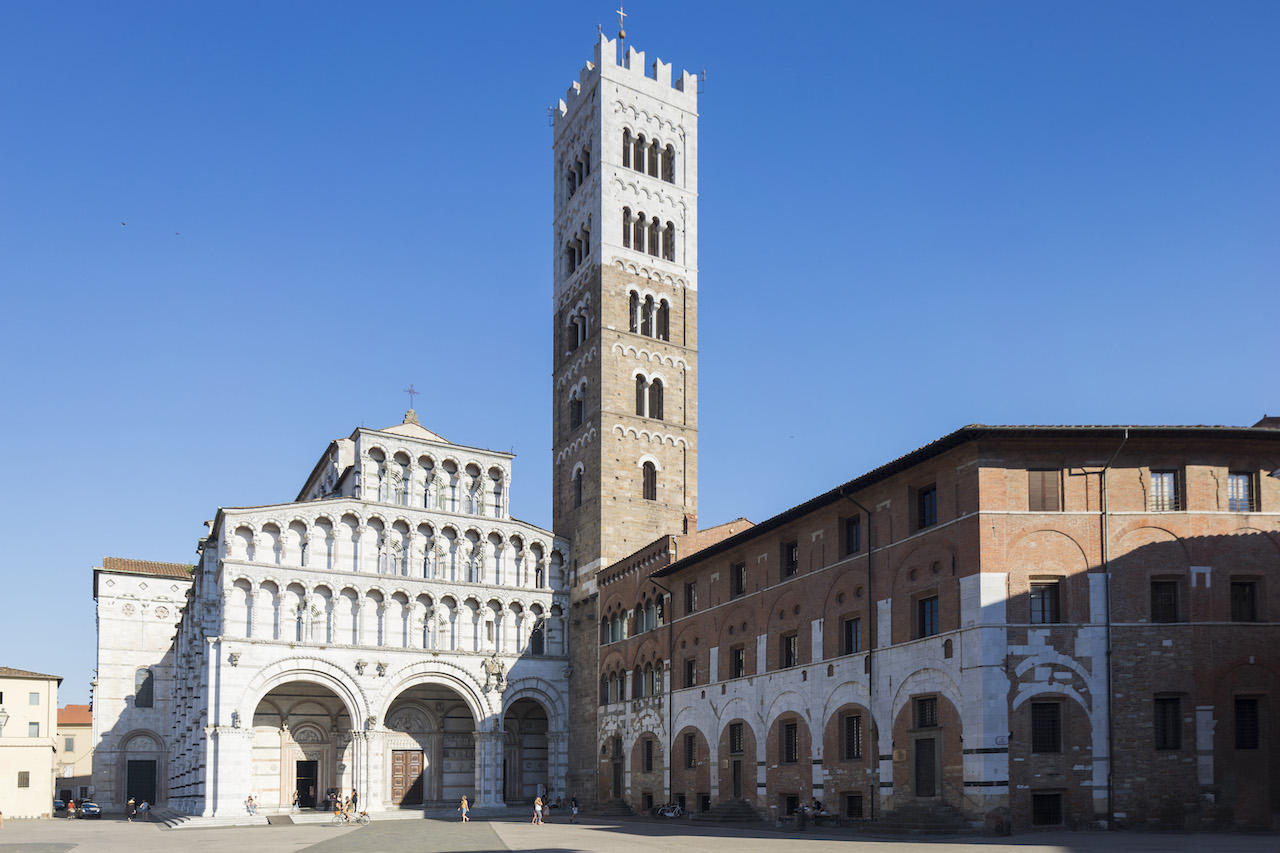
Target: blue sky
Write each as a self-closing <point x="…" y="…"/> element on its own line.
<point x="913" y="216"/>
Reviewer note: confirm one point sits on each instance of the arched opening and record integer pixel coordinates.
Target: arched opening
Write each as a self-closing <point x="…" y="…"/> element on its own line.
<point x="655" y="399"/>
<point x="637" y="232"/>
<point x="429" y="748"/>
<point x="634" y="312"/>
<point x="302" y="738"/>
<point x="626" y="148"/>
<point x="669" y="164"/>
<point x="641" y="391"/>
<point x="650" y="484"/>
<point x="647" y="317"/>
<point x="669" y="242"/>
<point x="626" y="229"/>
<point x="526" y="752"/>
<point x="664" y="320"/>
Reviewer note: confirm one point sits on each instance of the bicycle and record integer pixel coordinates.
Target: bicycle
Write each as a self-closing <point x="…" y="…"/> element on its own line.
<point x="344" y="818"/>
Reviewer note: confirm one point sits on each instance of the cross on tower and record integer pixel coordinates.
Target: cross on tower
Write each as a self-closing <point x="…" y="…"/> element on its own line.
<point x="412" y="393"/>
<point x="621" y="15"/>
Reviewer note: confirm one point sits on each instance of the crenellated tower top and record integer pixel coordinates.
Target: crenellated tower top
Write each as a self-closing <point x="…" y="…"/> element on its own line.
<point x="654" y="80"/>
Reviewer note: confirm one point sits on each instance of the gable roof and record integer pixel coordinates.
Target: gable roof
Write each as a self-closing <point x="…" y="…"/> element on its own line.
<point x="147" y="567"/>
<point x="10" y="672"/>
<point x="75" y="715"/>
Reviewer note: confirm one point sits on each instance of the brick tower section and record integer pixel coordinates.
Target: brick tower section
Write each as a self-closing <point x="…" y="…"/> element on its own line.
<point x="625" y="345"/>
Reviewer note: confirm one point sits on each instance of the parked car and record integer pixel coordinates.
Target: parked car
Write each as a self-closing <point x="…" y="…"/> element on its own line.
<point x="59" y="806"/>
<point x="90" y="810"/>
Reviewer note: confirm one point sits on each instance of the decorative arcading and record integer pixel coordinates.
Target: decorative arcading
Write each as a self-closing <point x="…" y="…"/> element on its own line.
<point x="643" y="120"/>
<point x="650" y="356"/>
<point x="651" y="437"/>
<point x="579" y="363"/>
<point x="650" y="273"/>
<point x="577" y="444"/>
<point x="641" y="191"/>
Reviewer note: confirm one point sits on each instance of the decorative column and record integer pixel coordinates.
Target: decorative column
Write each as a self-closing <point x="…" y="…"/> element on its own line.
<point x="522" y="563"/>
<point x="488" y="763"/>
<point x="499" y="568"/>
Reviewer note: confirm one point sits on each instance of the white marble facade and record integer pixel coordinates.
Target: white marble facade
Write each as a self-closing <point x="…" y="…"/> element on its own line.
<point x="393" y="631"/>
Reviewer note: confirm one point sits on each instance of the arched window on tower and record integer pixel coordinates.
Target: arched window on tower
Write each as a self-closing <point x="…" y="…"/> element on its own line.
<point x="577" y="488"/>
<point x="669" y="164"/>
<point x="575" y="409"/>
<point x="626" y="228"/>
<point x="570" y="182"/>
<point x="634" y="311"/>
<point x="637" y="153"/>
<point x="637" y="233"/>
<point x="650" y="481"/>
<point x="669" y="242"/>
<point x="626" y="147"/>
<point x="655" y="158"/>
<point x="664" y="320"/>
<point x="655" y="399"/>
<point x="570" y="260"/>
<point x="647" y="318"/>
<point x="538" y="638"/>
<point x="641" y="395"/>
<point x="655" y="239"/>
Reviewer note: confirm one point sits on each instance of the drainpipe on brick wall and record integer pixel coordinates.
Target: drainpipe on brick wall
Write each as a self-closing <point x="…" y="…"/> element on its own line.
<point x="1105" y="531"/>
<point x="670" y="676"/>
<point x="871" y="647"/>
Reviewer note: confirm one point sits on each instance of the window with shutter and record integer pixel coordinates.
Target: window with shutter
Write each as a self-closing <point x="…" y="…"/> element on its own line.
<point x="1043" y="490"/>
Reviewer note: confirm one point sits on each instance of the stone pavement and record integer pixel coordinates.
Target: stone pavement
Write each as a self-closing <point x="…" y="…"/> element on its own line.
<point x="114" y="835"/>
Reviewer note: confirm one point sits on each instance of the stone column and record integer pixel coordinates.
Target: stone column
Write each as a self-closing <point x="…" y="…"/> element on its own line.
<point x="488" y="761"/>
<point x="499" y="567"/>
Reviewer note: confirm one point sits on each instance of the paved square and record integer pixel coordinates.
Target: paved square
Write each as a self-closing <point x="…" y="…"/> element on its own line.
<point x="114" y="835"/>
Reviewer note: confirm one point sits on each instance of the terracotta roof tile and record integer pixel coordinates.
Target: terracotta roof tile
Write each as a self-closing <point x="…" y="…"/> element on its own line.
<point x="146" y="567"/>
<point x="10" y="672"/>
<point x="75" y="715"/>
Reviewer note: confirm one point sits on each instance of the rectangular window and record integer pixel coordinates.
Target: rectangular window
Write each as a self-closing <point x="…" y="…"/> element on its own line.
<point x="691" y="750"/>
<point x="33" y="699"/>
<point x="1042" y="491"/>
<point x="790" y="558"/>
<point x="1046" y="809"/>
<point x="738" y="661"/>
<point x="1244" y="601"/>
<point x="648" y="756"/>
<point x="1044" y="603"/>
<point x="850" y="636"/>
<point x="1164" y="601"/>
<point x="1165" y="495"/>
<point x="1168" y="722"/>
<point x="927" y="616"/>
<point x="691" y="597"/>
<point x="24" y="778"/>
<point x="1046" y="727"/>
<point x="927" y="507"/>
<point x="853" y="805"/>
<point x="927" y="712"/>
<point x="738" y="578"/>
<point x="851" y="749"/>
<point x="852" y="535"/>
<point x="1248" y="734"/>
<point x="33" y="730"/>
<point x="690" y="672"/>
<point x="789" y="651"/>
<point x="1240" y="492"/>
<point x="790" y="743"/>
<point x="735" y="739"/>
<point x="69" y="744"/>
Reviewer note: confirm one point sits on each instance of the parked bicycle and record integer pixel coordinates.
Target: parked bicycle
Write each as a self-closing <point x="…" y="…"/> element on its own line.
<point x="669" y="810"/>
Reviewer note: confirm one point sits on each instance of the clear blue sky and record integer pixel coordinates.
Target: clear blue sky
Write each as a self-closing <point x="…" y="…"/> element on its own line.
<point x="913" y="216"/>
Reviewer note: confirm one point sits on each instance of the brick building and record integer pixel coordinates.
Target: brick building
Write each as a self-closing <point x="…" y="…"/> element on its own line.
<point x="938" y="632"/>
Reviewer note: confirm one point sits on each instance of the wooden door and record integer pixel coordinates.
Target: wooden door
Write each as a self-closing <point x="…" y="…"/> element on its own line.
<point x="406" y="777"/>
<point x="926" y="767"/>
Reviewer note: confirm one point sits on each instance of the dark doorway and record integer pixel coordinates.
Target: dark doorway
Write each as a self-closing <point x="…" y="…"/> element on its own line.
<point x="737" y="778"/>
<point x="306" y="784"/>
<point x="406" y="777"/>
<point x="140" y="781"/>
<point x="926" y="767"/>
<point x="617" y="778"/>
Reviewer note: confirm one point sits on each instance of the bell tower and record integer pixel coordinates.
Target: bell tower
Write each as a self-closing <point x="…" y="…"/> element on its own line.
<point x="625" y="343"/>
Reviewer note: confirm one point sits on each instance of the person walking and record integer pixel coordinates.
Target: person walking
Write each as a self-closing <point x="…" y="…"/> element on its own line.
<point x="464" y="808"/>
<point x="294" y="808"/>
<point x="537" y="810"/>
<point x="133" y="810"/>
<point x="573" y="808"/>
<point x="145" y="808"/>
<point x="355" y="801"/>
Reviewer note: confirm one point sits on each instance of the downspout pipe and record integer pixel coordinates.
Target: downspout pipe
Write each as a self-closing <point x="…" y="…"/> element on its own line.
<point x="1104" y="532"/>
<point x="871" y="649"/>
<point x="666" y="615"/>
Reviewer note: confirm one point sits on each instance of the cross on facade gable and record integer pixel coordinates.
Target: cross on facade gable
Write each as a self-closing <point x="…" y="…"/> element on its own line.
<point x="412" y="393"/>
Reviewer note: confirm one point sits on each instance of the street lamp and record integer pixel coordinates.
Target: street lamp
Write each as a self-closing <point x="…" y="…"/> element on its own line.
<point x="4" y="718"/>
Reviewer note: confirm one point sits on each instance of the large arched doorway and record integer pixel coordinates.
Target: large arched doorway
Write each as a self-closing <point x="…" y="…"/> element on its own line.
<point x="302" y="743"/>
<point x="429" y="751"/>
<point x="525" y="756"/>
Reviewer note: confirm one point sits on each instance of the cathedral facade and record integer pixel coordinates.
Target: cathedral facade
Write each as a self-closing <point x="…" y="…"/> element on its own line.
<point x="392" y="631"/>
